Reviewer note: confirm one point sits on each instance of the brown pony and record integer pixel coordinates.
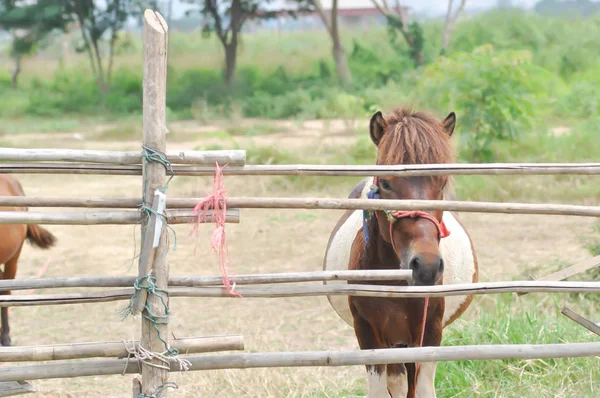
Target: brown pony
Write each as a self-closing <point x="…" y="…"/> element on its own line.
<point x="433" y="245"/>
<point x="12" y="237"/>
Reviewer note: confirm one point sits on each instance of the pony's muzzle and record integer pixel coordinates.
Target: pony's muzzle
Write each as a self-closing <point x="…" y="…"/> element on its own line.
<point x="427" y="270"/>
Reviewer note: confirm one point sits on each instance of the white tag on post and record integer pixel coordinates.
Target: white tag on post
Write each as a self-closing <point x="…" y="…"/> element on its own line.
<point x="160" y="199"/>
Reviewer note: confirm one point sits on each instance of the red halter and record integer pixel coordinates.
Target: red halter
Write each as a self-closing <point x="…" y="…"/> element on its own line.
<point x="395" y="215"/>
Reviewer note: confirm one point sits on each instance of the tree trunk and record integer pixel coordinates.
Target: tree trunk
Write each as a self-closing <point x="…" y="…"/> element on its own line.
<point x="449" y="24"/>
<point x="230" y="62"/>
<point x="113" y="40"/>
<point x="445" y="39"/>
<point x="16" y="71"/>
<point x="231" y="47"/>
<point x="65" y="44"/>
<point x="101" y="80"/>
<point x="111" y="56"/>
<point x="339" y="54"/>
<point x="341" y="64"/>
<point x="420" y="58"/>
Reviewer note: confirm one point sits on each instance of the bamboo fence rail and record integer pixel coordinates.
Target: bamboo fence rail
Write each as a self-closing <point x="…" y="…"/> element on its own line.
<point x="314" y="290"/>
<point x="103" y="217"/>
<point x="318" y="170"/>
<point x="196" y="281"/>
<point x="117" y="349"/>
<point x="92" y="367"/>
<point x="230" y="157"/>
<point x="316" y="203"/>
<point x="12" y="388"/>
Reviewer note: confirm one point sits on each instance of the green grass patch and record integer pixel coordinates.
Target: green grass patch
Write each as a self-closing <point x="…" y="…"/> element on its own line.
<point x="511" y="322"/>
<point x="37" y="125"/>
<point x="593" y="242"/>
<point x="254" y="130"/>
<point x="580" y="145"/>
<point x="123" y="132"/>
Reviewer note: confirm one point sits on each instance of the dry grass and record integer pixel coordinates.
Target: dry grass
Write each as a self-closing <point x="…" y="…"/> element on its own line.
<point x="265" y="241"/>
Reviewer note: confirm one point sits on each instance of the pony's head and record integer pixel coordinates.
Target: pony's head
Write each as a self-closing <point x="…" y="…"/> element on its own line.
<point x="404" y="137"/>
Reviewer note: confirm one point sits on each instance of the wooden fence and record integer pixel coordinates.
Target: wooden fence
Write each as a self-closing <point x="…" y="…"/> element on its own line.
<point x="153" y="209"/>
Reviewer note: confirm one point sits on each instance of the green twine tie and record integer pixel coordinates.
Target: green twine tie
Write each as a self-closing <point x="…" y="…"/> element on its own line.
<point x="155" y="319"/>
<point x="152" y="155"/>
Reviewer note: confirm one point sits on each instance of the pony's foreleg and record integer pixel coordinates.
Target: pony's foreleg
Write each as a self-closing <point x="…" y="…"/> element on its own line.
<point x="377" y="378"/>
<point x="397" y="380"/>
<point x="426" y="380"/>
<point x="426" y="373"/>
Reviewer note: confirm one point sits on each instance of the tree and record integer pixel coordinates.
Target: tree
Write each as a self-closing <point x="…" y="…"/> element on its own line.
<point x="339" y="54"/>
<point x="29" y="23"/>
<point x="226" y="18"/>
<point x="94" y="23"/>
<point x="451" y="18"/>
<point x="412" y="32"/>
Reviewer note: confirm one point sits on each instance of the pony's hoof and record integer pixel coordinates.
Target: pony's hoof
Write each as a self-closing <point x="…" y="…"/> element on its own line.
<point x="5" y="340"/>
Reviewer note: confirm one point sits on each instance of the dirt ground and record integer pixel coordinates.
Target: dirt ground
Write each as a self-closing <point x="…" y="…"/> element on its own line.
<point x="508" y="246"/>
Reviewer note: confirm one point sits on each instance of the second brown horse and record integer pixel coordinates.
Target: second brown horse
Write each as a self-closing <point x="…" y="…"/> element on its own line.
<point x="12" y="237"/>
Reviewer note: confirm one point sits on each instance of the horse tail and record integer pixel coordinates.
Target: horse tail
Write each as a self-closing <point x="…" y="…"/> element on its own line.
<point x="40" y="237"/>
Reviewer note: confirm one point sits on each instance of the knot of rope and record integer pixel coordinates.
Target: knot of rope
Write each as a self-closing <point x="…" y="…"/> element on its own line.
<point x="139" y="352"/>
<point x="144" y="355"/>
<point x="152" y="155"/>
<point x="155" y="319"/>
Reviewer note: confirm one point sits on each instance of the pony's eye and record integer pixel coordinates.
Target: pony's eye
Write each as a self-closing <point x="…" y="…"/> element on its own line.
<point x="385" y="185"/>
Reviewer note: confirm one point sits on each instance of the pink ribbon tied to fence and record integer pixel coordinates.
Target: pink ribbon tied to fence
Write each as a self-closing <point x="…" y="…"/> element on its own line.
<point x="217" y="201"/>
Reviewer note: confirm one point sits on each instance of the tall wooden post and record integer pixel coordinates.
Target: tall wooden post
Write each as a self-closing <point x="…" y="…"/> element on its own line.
<point x="155" y="132"/>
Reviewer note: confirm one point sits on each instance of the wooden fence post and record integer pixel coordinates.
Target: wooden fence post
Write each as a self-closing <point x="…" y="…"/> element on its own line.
<point x="154" y="334"/>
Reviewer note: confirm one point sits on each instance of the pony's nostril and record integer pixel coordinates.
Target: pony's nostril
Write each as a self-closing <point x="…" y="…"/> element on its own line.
<point x="426" y="270"/>
<point x="415" y="263"/>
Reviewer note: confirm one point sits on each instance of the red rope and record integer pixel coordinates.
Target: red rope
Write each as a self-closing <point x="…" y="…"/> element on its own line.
<point x="217" y="201"/>
<point x="422" y="335"/>
<point x="40" y="273"/>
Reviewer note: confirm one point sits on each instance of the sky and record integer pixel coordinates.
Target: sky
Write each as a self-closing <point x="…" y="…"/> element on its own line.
<point x="429" y="7"/>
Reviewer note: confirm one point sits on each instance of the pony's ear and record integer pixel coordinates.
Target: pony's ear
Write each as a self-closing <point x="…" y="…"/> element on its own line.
<point x="449" y="123"/>
<point x="377" y="127"/>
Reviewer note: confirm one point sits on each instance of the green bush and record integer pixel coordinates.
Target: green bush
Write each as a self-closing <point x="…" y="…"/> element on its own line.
<point x="126" y="92"/>
<point x="5" y="81"/>
<point x="581" y="99"/>
<point x="185" y="87"/>
<point x="14" y="103"/>
<point x="564" y="46"/>
<point x="494" y="93"/>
